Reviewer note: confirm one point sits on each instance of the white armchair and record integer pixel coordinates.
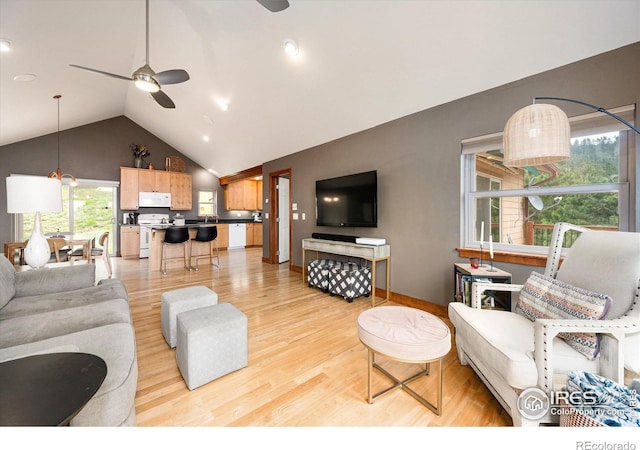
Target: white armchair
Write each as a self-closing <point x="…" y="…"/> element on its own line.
<point x="511" y="353"/>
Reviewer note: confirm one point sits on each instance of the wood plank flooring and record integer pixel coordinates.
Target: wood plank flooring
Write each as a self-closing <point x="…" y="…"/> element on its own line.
<point x="307" y="367"/>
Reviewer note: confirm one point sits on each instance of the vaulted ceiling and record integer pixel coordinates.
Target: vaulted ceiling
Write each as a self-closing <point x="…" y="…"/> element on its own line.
<point x="360" y="63"/>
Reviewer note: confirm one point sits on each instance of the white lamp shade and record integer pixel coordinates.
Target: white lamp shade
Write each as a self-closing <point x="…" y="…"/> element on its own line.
<point x="535" y="135"/>
<point x="29" y="194"/>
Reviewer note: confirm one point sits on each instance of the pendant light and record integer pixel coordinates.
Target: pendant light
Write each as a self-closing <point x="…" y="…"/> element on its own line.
<point x="58" y="173"/>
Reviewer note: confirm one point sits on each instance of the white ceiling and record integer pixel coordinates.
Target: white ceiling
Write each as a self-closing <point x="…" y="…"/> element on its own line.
<point x="361" y="63"/>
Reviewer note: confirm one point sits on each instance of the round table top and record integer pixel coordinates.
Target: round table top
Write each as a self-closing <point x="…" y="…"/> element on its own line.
<point x="48" y="389"/>
<point x="404" y="333"/>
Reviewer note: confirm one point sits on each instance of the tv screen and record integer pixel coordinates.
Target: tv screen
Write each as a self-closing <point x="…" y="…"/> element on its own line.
<point x="348" y="201"/>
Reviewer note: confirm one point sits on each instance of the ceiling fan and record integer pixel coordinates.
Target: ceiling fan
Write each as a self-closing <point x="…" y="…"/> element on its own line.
<point x="274" y="5"/>
<point x="146" y="79"/>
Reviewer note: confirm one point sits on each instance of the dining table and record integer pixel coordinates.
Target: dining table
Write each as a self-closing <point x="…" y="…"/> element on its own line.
<point x="71" y="240"/>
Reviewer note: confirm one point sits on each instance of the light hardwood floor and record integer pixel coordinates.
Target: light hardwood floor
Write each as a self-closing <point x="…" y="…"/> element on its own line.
<point x="306" y="364"/>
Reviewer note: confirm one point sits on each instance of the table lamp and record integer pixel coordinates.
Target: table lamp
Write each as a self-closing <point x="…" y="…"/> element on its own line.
<point x="30" y="194"/>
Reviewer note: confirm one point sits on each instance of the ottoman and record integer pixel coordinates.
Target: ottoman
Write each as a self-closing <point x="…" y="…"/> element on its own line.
<point x="408" y="335"/>
<point x="180" y="300"/>
<point x="318" y="273"/>
<point x="349" y="280"/>
<point x="212" y="342"/>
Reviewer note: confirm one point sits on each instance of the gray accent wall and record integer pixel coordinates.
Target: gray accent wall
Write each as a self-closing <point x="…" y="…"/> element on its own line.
<point x="418" y="162"/>
<point x="95" y="151"/>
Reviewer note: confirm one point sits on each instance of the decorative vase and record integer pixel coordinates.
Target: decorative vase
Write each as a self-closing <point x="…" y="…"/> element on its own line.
<point x="137" y="163"/>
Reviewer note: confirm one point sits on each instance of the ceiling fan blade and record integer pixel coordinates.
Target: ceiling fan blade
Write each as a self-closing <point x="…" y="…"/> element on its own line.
<point x="113" y="75"/>
<point x="172" y="76"/>
<point x="163" y="99"/>
<point x="274" y="5"/>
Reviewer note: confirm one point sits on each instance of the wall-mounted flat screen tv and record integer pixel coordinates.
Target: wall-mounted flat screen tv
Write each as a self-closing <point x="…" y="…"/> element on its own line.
<point x="348" y="201"/>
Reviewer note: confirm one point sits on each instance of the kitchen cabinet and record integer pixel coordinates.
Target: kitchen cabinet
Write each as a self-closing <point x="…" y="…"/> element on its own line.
<point x="134" y="181"/>
<point x="154" y="181"/>
<point x="242" y="196"/>
<point x="259" y="198"/>
<point x="223" y="236"/>
<point x="130" y="241"/>
<point x="128" y="188"/>
<point x="181" y="192"/>
<point x="254" y="235"/>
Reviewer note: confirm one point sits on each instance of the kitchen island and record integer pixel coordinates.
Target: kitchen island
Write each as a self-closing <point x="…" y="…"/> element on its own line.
<point x="156" y="238"/>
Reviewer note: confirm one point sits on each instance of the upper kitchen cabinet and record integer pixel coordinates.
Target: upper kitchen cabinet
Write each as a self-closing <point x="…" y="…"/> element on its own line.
<point x="128" y="188"/>
<point x="243" y="195"/>
<point x="133" y="181"/>
<point x="154" y="181"/>
<point x="181" y="192"/>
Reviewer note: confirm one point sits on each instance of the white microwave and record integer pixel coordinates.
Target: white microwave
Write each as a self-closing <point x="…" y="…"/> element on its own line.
<point x="154" y="200"/>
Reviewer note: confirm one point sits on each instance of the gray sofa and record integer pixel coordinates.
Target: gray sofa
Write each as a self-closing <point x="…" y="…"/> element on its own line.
<point x="64" y="310"/>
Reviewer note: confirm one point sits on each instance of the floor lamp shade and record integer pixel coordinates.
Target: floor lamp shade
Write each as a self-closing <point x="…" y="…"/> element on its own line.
<point x="536" y="134"/>
<point x="26" y="194"/>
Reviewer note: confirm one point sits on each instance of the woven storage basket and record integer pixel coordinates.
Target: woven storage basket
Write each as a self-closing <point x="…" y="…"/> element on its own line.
<point x="571" y="417"/>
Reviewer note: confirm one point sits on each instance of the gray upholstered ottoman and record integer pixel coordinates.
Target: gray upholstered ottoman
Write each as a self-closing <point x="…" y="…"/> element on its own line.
<point x="180" y="300"/>
<point x="212" y="342"/>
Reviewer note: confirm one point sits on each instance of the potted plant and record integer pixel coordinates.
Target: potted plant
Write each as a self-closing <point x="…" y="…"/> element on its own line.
<point x="139" y="152"/>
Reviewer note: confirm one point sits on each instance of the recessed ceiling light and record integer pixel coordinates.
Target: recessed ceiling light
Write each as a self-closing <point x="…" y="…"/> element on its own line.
<point x="5" y="45"/>
<point x="290" y="47"/>
<point x="223" y="105"/>
<point x="205" y="138"/>
<point x="25" y="77"/>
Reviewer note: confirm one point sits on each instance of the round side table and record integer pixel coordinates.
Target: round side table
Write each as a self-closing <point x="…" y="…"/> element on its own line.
<point x="48" y="389"/>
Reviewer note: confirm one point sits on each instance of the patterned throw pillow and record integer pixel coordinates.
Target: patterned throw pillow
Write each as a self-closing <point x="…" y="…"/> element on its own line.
<point x="543" y="297"/>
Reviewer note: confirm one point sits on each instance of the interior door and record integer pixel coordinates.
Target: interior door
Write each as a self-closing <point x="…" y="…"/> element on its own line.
<point x="283" y="219"/>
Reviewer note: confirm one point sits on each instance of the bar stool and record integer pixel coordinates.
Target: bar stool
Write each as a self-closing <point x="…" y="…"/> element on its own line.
<point x="205" y="234"/>
<point x="175" y="236"/>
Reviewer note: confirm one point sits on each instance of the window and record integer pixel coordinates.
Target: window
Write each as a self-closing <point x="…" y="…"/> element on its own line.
<point x="87" y="210"/>
<point x="207" y="203"/>
<point x="518" y="207"/>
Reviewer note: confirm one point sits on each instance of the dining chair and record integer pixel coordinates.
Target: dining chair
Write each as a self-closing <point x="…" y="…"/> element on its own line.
<point x="101" y="251"/>
<point x="59" y="250"/>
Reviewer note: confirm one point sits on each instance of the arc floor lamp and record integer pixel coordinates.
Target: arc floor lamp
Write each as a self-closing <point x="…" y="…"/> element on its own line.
<point x="540" y="133"/>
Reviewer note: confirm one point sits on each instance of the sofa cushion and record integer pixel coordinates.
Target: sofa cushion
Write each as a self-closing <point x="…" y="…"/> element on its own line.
<point x="24" y="306"/>
<point x="7" y="281"/>
<point x="58" y="322"/>
<point x="543" y="297"/>
<point x="58" y="279"/>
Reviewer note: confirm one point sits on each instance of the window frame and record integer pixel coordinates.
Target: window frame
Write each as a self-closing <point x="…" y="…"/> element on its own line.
<point x="583" y="125"/>
<point x="213" y="202"/>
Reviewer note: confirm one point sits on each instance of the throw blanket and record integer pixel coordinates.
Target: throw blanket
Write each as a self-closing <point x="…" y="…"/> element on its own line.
<point x="604" y="400"/>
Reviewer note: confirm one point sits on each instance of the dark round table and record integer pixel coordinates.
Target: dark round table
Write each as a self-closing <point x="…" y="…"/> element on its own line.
<point x="48" y="389"/>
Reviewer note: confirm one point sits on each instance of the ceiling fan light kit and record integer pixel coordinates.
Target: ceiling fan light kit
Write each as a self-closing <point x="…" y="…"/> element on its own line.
<point x="145" y="82"/>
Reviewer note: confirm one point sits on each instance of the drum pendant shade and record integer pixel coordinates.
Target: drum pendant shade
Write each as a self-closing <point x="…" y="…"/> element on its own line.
<point x="536" y="134"/>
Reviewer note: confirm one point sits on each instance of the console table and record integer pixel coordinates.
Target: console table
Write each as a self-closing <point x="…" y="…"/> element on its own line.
<point x="372" y="253"/>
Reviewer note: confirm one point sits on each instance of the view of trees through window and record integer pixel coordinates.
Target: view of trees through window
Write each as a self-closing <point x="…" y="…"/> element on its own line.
<point x="92" y="214"/>
<point x="593" y="160"/>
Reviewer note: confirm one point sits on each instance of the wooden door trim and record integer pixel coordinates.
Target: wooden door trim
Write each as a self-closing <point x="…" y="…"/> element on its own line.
<point x="273" y="214"/>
